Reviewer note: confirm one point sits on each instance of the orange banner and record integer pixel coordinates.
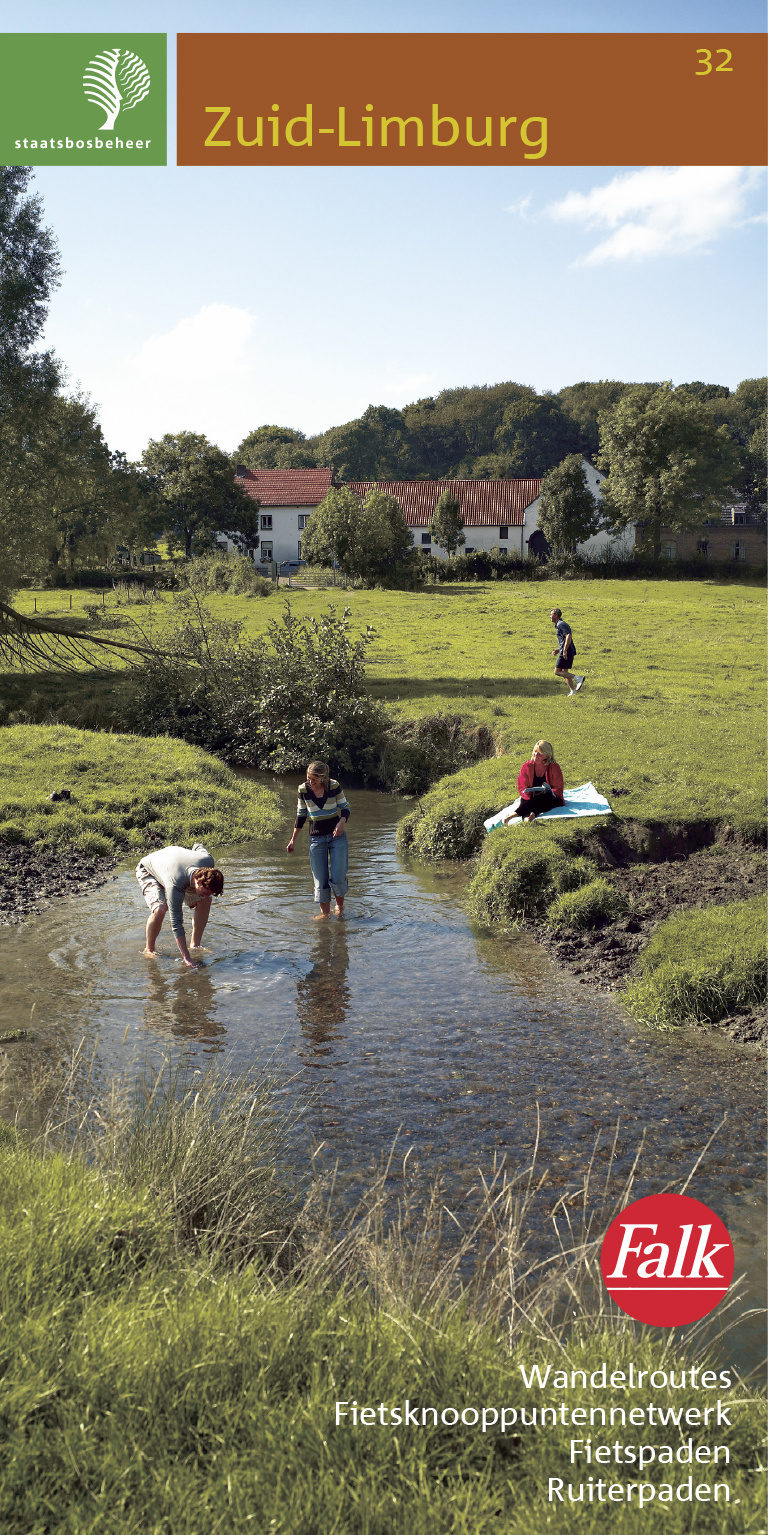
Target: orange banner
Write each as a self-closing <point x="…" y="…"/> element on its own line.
<point x="471" y="99"/>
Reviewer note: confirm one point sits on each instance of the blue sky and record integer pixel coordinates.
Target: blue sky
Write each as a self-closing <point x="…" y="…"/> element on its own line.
<point x="217" y="300"/>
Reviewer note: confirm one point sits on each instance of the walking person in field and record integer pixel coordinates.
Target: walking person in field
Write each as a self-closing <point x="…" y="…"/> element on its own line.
<point x="323" y="802"/>
<point x="172" y="878"/>
<point x="565" y="653"/>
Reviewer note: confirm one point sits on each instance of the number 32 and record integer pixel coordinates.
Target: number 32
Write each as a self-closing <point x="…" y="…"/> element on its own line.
<point x="705" y="58"/>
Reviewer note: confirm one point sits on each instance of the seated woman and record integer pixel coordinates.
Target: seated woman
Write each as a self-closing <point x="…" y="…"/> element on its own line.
<point x="540" y="782"/>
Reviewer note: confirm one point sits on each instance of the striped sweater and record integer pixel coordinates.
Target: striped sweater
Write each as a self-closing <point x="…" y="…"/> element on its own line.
<point x="324" y="813"/>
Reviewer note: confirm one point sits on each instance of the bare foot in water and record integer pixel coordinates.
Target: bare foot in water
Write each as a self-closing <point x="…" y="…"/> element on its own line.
<point x="338" y="910"/>
<point x="149" y="953"/>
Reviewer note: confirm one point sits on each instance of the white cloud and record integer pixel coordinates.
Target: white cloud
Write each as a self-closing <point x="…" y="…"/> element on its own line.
<point x="661" y="211"/>
<point x="185" y="379"/>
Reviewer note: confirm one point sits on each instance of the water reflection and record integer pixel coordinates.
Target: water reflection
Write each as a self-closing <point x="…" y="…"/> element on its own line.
<point x="323" y="995"/>
<point x="182" y="1005"/>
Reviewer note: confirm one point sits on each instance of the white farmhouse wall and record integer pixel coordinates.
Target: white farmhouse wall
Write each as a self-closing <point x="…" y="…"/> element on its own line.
<point x="623" y="541"/>
<point x="284" y="535"/>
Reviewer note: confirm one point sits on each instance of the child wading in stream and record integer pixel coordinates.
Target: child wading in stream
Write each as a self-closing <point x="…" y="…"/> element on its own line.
<point x="322" y="799"/>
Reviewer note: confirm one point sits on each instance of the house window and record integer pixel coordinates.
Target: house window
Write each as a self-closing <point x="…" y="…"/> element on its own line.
<point x="266" y="521"/>
<point x="298" y="555"/>
<point x="739" y="518"/>
<point x="702" y="547"/>
<point x="303" y="520"/>
<point x="504" y="532"/>
<point x="426" y="538"/>
<point x="266" y="549"/>
<point x="669" y="550"/>
<point x="738" y="551"/>
<point x="469" y="549"/>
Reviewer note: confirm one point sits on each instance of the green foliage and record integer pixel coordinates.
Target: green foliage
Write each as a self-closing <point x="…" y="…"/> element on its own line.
<point x="568" y="512"/>
<point x="275" y="447"/>
<point x="209" y="1148"/>
<point x="537" y="434"/>
<point x="522" y="870"/>
<point x="29" y="381"/>
<point x="143" y="1382"/>
<point x="418" y="752"/>
<point x="127" y="794"/>
<point x="668" y="465"/>
<point x="447" y="525"/>
<point x="196" y="484"/>
<point x="369" y="540"/>
<point x="275" y="702"/>
<point x="588" y="906"/>
<point x="232" y="573"/>
<point x="701" y="965"/>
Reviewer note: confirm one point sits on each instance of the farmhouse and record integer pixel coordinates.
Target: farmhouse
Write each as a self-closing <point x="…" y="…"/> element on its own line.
<point x="498" y="514"/>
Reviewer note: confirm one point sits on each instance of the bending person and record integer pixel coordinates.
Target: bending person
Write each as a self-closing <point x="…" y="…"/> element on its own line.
<point x="322" y="799"/>
<point x="175" y="877"/>
<point x="540" y="782"/>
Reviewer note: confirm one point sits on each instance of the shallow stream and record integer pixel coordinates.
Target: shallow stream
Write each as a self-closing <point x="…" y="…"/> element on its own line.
<point x="402" y="1018"/>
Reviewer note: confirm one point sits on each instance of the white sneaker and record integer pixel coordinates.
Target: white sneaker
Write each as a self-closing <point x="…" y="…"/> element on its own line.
<point x="580" y="683"/>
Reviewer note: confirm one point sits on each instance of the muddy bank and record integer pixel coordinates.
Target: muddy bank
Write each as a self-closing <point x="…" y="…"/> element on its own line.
<point x="32" y="876"/>
<point x="605" y="957"/>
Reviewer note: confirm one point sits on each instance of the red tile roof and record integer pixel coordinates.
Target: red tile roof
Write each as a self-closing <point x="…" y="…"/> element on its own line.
<point x="484" y="503"/>
<point x="287" y="487"/>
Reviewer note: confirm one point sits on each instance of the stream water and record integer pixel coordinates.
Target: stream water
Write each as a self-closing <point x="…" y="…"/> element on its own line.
<point x="402" y="1018"/>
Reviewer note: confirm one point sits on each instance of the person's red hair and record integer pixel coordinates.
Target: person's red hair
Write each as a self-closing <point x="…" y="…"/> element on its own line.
<point x="212" y="880"/>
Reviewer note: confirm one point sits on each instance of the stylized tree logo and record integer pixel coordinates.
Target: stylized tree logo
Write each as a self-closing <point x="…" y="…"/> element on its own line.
<point x="115" y="79"/>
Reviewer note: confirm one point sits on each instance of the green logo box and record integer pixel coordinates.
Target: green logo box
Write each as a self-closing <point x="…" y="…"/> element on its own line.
<point x="83" y="98"/>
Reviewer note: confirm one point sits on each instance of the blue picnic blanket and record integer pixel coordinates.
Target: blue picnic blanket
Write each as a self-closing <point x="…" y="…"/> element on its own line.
<point x="584" y="800"/>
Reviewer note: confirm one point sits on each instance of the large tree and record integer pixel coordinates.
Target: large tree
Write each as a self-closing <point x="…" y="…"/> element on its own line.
<point x="568" y="512"/>
<point x="668" y="465"/>
<point x="370" y="540"/>
<point x="447" y="525"/>
<point x="196" y="484"/>
<point x="537" y="434"/>
<point x="275" y="447"/>
<point x="29" y="380"/>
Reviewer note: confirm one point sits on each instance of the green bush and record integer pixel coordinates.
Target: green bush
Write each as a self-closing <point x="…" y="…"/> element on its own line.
<point x="701" y="965"/>
<point x="418" y="752"/>
<point x="274" y="702"/>
<point x="587" y="906"/>
<point x="521" y="871"/>
<point x="216" y="573"/>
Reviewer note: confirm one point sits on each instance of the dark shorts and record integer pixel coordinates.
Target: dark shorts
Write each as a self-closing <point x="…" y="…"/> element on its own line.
<point x="561" y="665"/>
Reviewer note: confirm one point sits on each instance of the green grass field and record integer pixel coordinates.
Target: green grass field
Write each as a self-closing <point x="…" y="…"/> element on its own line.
<point x="672" y="712"/>
<point x="124" y="790"/>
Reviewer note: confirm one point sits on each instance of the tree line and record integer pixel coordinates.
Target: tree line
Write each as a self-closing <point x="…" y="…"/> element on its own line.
<point x="502" y="431"/>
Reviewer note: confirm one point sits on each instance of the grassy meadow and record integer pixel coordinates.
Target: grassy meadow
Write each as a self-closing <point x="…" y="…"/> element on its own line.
<point x="126" y="792"/>
<point x="672" y="714"/>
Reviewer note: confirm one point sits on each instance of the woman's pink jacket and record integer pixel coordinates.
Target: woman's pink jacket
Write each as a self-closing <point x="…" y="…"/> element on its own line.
<point x="553" y="775"/>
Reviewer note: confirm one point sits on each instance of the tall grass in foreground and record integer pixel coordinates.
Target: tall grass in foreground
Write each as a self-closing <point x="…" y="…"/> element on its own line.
<point x="153" y="1381"/>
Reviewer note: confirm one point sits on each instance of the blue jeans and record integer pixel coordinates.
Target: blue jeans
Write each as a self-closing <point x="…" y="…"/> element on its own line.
<point x="325" y="851"/>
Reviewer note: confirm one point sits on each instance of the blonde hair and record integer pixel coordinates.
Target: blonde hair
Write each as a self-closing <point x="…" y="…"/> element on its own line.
<point x="546" y="749"/>
<point x="320" y="770"/>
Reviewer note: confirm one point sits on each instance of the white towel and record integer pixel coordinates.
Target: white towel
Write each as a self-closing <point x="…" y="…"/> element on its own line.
<point x="585" y="800"/>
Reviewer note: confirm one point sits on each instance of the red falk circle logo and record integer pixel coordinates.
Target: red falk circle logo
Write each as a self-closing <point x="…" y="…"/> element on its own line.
<point x="667" y="1260"/>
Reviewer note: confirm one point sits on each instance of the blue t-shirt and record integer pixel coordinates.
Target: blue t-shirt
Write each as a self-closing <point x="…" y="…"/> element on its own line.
<point x="563" y="632"/>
